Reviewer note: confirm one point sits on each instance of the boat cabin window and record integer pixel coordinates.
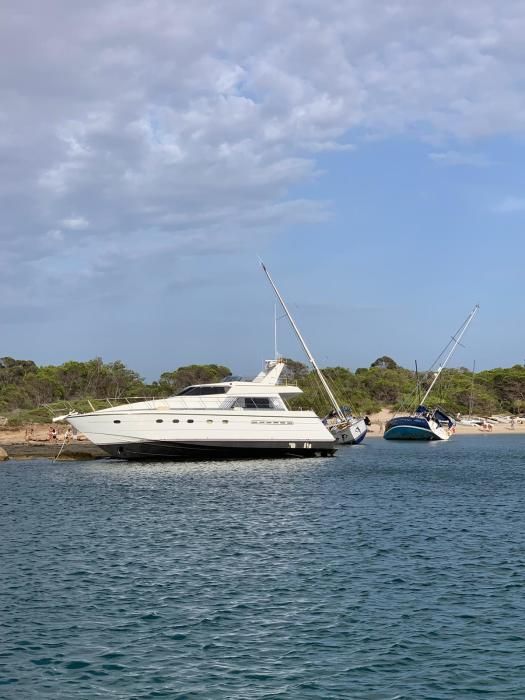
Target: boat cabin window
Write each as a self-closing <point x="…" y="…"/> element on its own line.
<point x="203" y="390"/>
<point x="254" y="402"/>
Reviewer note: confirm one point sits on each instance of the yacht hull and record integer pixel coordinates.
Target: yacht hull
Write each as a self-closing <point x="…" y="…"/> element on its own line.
<point x="413" y="428"/>
<point x="202" y="435"/>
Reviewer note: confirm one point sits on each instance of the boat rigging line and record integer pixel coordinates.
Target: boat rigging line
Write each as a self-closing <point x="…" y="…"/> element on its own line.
<point x="322" y="379"/>
<point x="456" y="341"/>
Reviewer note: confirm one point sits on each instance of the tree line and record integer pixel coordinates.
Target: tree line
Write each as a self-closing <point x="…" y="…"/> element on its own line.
<point x="26" y="389"/>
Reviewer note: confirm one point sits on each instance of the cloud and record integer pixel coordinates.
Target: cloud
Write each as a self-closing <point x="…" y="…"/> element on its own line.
<point x="75" y="223"/>
<point x="510" y="205"/>
<point x="175" y="126"/>
<point x="459" y="158"/>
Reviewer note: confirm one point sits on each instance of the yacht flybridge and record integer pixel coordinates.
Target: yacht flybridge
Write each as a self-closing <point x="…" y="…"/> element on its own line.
<point x="225" y="420"/>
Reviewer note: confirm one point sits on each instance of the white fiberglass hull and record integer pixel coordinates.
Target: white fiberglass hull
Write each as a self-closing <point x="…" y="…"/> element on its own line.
<point x="350" y="433"/>
<point x="203" y="434"/>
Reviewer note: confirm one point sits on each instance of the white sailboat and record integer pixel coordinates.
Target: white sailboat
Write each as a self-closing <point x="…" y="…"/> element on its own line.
<point x="346" y="429"/>
<point x="423" y="423"/>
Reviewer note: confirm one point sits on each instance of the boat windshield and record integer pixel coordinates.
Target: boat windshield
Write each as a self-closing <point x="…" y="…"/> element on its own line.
<point x="203" y="390"/>
<point x="259" y="402"/>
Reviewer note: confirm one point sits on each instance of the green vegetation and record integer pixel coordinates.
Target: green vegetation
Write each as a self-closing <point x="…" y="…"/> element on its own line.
<point x="26" y="389"/>
<point x="386" y="385"/>
<point x="27" y="392"/>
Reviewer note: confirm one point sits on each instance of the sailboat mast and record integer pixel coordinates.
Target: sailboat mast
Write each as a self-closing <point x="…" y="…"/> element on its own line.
<point x="418" y="385"/>
<point x="332" y="398"/>
<point x="456" y="343"/>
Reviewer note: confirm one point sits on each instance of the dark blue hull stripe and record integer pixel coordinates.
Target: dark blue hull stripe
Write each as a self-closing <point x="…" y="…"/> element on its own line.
<point x="409" y="428"/>
<point x="187" y="451"/>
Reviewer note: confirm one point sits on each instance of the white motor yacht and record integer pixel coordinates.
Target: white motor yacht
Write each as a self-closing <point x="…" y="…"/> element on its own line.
<point x="226" y="420"/>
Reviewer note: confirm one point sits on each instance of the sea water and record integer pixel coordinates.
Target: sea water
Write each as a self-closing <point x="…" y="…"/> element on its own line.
<point x="394" y="570"/>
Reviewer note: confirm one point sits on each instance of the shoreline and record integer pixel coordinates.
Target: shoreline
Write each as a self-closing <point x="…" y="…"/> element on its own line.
<point x="84" y="450"/>
<point x="378" y="421"/>
<point x="16" y="445"/>
<point x="462" y="431"/>
<point x="460" y="434"/>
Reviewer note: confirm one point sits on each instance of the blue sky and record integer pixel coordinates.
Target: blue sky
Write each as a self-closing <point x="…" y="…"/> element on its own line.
<point x="372" y="156"/>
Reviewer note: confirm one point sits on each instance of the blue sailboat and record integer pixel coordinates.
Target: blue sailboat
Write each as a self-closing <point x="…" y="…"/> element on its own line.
<point x="425" y="423"/>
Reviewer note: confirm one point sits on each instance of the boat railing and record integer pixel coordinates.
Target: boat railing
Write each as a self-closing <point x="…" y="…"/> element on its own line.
<point x="89" y="405"/>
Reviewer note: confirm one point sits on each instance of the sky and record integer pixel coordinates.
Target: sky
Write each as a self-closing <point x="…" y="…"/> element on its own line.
<point x="371" y="153"/>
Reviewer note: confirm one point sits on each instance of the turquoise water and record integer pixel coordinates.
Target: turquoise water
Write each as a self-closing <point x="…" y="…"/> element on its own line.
<point x="391" y="571"/>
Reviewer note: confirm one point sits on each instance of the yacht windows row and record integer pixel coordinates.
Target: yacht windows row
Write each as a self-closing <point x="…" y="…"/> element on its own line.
<point x="244" y="402"/>
<point x="177" y="420"/>
<point x="225" y="420"/>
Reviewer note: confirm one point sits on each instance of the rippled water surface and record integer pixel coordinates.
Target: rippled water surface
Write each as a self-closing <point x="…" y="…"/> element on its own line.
<point x="394" y="570"/>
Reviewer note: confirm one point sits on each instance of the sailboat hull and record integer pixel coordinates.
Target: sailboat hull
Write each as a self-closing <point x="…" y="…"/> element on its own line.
<point x="413" y="428"/>
<point x="351" y="434"/>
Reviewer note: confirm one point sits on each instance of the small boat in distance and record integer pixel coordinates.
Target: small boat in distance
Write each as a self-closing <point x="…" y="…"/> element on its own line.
<point x="346" y="429"/>
<point x="425" y="423"/>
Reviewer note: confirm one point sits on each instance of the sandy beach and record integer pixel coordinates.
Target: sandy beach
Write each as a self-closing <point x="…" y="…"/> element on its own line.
<point x="39" y="435"/>
<point x="20" y="443"/>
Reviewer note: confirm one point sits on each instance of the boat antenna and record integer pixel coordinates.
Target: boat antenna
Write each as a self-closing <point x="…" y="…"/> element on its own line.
<point x="456" y="340"/>
<point x="332" y="398"/>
